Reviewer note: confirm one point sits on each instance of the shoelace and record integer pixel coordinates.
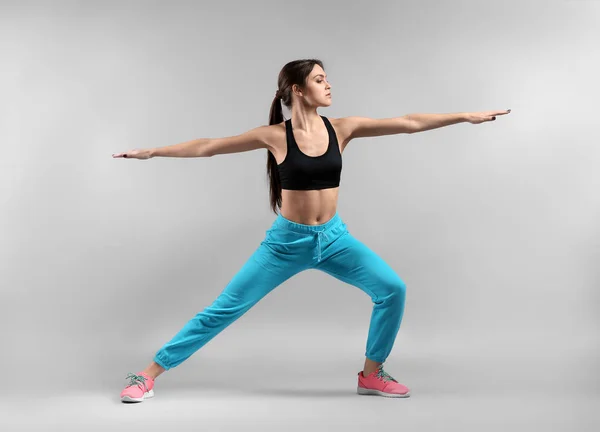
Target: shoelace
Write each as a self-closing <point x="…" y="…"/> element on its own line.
<point x="384" y="375"/>
<point x="136" y="380"/>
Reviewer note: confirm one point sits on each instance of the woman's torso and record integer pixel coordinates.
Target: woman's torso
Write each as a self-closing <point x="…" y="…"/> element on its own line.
<point x="309" y="207"/>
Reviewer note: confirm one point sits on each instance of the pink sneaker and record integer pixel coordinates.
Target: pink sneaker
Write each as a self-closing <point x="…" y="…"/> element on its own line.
<point x="140" y="387"/>
<point x="381" y="383"/>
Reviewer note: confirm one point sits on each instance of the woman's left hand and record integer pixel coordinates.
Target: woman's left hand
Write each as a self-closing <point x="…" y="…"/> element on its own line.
<point x="480" y="117"/>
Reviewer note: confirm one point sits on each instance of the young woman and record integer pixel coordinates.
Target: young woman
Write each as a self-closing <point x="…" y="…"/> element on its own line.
<point x="304" y="162"/>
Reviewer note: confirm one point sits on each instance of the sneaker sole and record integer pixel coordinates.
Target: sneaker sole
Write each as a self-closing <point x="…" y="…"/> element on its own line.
<point x="371" y="392"/>
<point x="147" y="395"/>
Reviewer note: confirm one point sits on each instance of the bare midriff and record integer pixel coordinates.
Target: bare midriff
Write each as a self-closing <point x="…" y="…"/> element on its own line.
<point x="311" y="207"/>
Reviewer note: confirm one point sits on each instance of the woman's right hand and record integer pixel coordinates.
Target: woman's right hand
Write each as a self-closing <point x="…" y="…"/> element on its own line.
<point x="135" y="154"/>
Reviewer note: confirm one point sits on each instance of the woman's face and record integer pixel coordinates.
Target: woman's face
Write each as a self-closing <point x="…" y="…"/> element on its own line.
<point x="317" y="89"/>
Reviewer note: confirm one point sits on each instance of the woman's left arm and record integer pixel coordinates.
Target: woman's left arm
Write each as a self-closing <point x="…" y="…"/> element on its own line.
<point x="362" y="127"/>
<point x="424" y="122"/>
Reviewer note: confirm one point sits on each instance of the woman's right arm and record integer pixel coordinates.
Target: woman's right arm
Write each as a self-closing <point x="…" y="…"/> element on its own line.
<point x="253" y="139"/>
<point x="257" y="138"/>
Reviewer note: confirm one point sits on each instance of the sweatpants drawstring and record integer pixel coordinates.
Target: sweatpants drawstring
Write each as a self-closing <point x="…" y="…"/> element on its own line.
<point x="319" y="233"/>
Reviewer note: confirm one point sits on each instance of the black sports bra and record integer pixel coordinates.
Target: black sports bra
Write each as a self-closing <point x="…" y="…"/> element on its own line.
<point x="300" y="171"/>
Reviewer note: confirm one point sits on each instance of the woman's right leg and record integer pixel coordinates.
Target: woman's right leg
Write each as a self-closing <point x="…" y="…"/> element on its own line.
<point x="263" y="271"/>
<point x="279" y="257"/>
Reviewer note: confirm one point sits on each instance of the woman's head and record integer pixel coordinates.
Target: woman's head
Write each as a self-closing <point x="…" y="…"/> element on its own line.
<point x="300" y="83"/>
<point x="304" y="82"/>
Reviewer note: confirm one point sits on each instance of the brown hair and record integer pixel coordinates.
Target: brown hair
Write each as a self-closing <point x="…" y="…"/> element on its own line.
<point x="294" y="72"/>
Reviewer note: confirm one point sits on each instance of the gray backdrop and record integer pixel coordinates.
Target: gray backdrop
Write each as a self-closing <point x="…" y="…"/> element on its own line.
<point x="493" y="227"/>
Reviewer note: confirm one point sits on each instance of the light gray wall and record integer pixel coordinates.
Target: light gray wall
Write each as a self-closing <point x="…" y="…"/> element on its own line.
<point x="493" y="227"/>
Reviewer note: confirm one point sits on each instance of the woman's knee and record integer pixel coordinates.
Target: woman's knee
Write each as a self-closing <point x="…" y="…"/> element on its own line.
<point x="397" y="290"/>
<point x="391" y="290"/>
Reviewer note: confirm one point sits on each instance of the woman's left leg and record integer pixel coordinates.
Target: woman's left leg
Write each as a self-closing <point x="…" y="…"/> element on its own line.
<point x="351" y="261"/>
<point x="346" y="258"/>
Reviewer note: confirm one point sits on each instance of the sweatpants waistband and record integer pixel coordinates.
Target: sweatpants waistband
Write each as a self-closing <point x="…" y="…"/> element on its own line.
<point x="283" y="223"/>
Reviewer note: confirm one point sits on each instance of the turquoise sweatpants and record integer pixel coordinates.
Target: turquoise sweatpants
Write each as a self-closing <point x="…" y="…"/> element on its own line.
<point x="287" y="249"/>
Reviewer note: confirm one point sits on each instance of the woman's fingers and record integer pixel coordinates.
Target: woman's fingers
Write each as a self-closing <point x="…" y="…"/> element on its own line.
<point x="135" y="154"/>
<point x="492" y="115"/>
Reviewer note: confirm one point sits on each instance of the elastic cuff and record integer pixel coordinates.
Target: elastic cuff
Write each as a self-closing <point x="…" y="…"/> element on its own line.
<point x="376" y="359"/>
<point x="160" y="363"/>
